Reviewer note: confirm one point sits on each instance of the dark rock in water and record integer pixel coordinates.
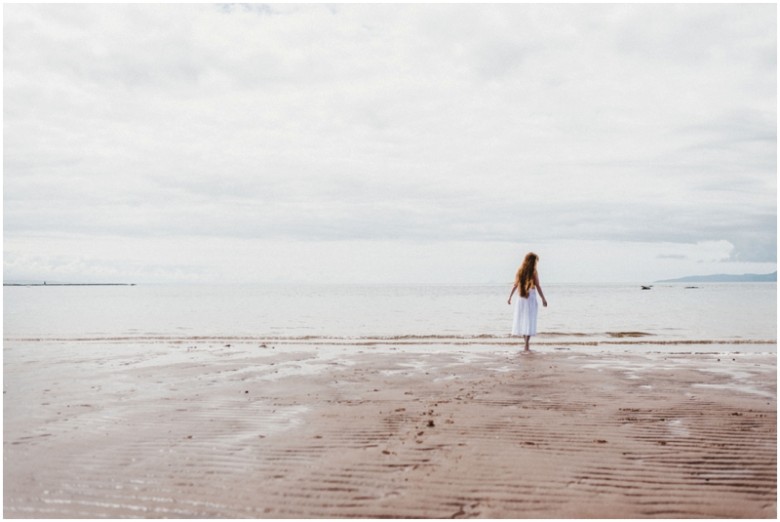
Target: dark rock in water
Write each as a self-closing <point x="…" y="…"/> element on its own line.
<point x="647" y="287"/>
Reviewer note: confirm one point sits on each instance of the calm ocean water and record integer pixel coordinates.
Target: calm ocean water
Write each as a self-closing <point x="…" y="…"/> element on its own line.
<point x="672" y="313"/>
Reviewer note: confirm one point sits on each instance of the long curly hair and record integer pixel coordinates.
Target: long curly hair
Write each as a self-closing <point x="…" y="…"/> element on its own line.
<point x="524" y="279"/>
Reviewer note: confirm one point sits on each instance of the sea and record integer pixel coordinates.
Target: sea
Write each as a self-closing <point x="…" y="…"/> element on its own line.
<point x="739" y="315"/>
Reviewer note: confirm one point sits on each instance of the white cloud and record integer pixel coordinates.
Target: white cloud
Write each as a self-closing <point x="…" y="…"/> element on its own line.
<point x="437" y="125"/>
<point x="235" y="260"/>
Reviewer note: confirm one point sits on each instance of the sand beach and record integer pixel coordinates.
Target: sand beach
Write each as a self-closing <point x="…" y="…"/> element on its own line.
<point x="220" y="427"/>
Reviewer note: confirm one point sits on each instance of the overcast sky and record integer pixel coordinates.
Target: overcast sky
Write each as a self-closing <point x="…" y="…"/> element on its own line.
<point x="388" y="143"/>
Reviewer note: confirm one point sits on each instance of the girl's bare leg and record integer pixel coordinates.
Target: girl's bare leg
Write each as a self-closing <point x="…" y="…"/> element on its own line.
<point x="527" y="339"/>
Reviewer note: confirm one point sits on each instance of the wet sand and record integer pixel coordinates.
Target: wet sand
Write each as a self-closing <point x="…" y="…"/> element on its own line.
<point x="241" y="429"/>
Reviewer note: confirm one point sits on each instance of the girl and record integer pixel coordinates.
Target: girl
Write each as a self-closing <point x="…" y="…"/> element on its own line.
<point x="526" y="308"/>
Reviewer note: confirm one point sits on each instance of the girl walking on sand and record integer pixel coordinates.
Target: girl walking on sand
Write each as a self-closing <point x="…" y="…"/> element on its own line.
<point x="526" y="307"/>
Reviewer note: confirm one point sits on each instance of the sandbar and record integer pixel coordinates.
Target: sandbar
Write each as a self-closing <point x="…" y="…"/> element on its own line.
<point x="226" y="429"/>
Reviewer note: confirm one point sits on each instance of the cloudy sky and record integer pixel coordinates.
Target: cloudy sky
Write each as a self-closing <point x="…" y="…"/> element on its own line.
<point x="388" y="143"/>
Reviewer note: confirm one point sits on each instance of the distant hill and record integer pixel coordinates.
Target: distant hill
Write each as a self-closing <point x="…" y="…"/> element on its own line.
<point x="726" y="278"/>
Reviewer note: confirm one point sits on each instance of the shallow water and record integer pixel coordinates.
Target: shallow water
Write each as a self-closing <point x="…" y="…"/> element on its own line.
<point x="577" y="314"/>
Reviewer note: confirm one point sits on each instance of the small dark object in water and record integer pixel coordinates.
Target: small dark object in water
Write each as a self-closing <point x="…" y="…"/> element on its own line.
<point x="647" y="287"/>
<point x="691" y="287"/>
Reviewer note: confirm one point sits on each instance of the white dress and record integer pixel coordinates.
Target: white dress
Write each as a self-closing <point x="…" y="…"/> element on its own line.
<point x="526" y="310"/>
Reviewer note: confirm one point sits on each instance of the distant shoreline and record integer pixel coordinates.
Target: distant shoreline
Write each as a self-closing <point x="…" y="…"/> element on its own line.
<point x="725" y="278"/>
<point x="68" y="284"/>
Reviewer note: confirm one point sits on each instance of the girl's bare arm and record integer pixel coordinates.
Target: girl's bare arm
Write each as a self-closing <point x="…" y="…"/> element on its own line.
<point x="539" y="288"/>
